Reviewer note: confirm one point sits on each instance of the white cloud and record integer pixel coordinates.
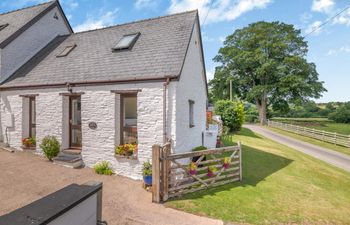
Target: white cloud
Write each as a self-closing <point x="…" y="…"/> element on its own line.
<point x="206" y="38"/>
<point x="322" y="5"/>
<point x="105" y="19"/>
<point x="210" y="73"/>
<point x="221" y="10"/>
<point x="344" y="49"/>
<point x="222" y="39"/>
<point x="343" y="18"/>
<point x="312" y="28"/>
<point x="140" y="4"/>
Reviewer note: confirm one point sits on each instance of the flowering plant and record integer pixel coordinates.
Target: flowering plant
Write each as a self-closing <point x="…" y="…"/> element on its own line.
<point x="126" y="149"/>
<point x="29" y="142"/>
<point x="211" y="171"/>
<point x="227" y="161"/>
<point x="193" y="168"/>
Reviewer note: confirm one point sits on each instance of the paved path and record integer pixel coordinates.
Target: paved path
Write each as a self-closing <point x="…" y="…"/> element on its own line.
<point x="25" y="177"/>
<point x="332" y="157"/>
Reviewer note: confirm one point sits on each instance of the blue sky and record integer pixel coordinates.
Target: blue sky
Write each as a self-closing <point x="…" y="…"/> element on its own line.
<point x="329" y="47"/>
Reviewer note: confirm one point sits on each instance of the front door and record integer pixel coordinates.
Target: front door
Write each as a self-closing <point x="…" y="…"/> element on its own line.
<point x="75" y="122"/>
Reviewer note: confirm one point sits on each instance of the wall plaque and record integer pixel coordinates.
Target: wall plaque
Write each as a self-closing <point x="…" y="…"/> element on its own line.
<point x="92" y="125"/>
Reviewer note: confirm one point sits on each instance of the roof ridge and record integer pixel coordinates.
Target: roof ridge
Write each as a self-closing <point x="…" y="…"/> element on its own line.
<point x="28" y="7"/>
<point x="137" y="21"/>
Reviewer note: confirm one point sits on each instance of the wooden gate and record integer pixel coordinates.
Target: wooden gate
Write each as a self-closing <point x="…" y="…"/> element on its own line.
<point x="177" y="174"/>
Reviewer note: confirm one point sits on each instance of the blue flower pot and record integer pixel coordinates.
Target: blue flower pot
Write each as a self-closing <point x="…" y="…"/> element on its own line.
<point x="147" y="180"/>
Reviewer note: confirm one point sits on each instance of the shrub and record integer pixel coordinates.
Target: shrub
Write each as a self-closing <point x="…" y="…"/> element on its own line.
<point x="147" y="169"/>
<point x="251" y="113"/>
<point x="29" y="142"/>
<point x="199" y="148"/>
<point x="50" y="147"/>
<point x="232" y="114"/>
<point x="341" y="114"/>
<point x="103" y="168"/>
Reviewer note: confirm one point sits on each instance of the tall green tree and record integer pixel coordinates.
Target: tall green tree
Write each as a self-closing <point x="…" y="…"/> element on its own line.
<point x="267" y="63"/>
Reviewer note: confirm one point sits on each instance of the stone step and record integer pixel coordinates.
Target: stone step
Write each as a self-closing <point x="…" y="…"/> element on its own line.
<point x="69" y="160"/>
<point x="72" y="151"/>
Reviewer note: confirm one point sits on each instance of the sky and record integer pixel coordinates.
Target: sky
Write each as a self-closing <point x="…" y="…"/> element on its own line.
<point x="329" y="47"/>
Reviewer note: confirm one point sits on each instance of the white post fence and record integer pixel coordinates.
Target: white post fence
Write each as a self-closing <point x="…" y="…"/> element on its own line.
<point x="330" y="137"/>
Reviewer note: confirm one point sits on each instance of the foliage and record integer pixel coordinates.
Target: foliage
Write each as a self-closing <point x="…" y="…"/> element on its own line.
<point x="341" y="114"/>
<point x="29" y="142"/>
<point x="147" y="169"/>
<point x="199" y="148"/>
<point x="227" y="160"/>
<point x="126" y="149"/>
<point x="212" y="169"/>
<point x="251" y="113"/>
<point x="266" y="62"/>
<point x="282" y="179"/>
<point x="103" y="168"/>
<point x="232" y="114"/>
<point x="50" y="147"/>
<point x="192" y="166"/>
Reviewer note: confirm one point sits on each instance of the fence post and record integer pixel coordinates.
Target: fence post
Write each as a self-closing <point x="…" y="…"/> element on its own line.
<point x="240" y="161"/>
<point x="335" y="138"/>
<point x="156" y="173"/>
<point x="165" y="170"/>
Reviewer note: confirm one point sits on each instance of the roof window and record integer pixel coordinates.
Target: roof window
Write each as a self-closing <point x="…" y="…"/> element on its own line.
<point x="66" y="50"/>
<point x="2" y="26"/>
<point x="126" y="42"/>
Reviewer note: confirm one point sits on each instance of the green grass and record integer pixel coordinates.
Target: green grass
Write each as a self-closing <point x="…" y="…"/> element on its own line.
<point x="280" y="185"/>
<point x="313" y="141"/>
<point x="318" y="123"/>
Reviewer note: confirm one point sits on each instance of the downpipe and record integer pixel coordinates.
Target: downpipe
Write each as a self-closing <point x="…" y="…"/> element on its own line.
<point x="165" y="87"/>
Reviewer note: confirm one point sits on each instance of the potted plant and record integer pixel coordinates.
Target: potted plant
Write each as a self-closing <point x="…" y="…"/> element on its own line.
<point x="211" y="171"/>
<point x="192" y="168"/>
<point x="147" y="173"/>
<point x="28" y="142"/>
<point x="227" y="162"/>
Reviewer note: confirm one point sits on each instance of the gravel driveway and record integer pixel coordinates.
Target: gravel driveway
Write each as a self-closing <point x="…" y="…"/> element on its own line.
<point x="25" y="177"/>
<point x="332" y="157"/>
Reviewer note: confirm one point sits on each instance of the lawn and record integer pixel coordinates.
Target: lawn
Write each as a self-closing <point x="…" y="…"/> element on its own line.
<point x="317" y="123"/>
<point x="280" y="185"/>
<point x="313" y="141"/>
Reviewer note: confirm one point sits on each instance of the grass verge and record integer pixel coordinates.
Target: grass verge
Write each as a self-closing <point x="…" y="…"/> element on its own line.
<point x="280" y="185"/>
<point x="331" y="146"/>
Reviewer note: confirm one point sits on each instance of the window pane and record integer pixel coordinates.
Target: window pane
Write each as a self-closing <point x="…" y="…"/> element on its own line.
<point x="126" y="41"/>
<point x="130" y="111"/>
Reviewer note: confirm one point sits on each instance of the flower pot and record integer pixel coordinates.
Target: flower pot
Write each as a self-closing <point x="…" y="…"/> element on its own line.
<point x="226" y="165"/>
<point x="147" y="180"/>
<point x="193" y="172"/>
<point x="210" y="174"/>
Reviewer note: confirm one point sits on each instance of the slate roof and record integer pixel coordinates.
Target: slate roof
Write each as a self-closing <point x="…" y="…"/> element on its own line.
<point x="159" y="52"/>
<point x="18" y="18"/>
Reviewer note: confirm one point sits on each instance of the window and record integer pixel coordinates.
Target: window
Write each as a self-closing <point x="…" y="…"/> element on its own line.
<point x="32" y="117"/>
<point x="66" y="50"/>
<point x="191" y="113"/>
<point x="3" y="26"/>
<point x="126" y="42"/>
<point x="128" y="118"/>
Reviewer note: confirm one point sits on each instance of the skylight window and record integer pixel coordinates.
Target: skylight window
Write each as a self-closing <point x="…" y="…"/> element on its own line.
<point x="2" y="26"/>
<point x="126" y="42"/>
<point x="66" y="50"/>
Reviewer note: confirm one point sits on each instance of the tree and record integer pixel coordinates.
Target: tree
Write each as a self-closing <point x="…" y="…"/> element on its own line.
<point x="341" y="114"/>
<point x="268" y="66"/>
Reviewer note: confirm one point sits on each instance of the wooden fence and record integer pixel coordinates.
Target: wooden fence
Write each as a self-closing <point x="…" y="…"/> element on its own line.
<point x="173" y="177"/>
<point x="334" y="138"/>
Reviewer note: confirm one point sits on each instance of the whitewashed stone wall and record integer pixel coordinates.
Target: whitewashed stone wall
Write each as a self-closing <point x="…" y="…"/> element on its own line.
<point x="30" y="42"/>
<point x="191" y="86"/>
<point x="98" y="105"/>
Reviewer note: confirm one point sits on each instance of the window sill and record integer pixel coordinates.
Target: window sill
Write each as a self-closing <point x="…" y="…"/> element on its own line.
<point x="33" y="148"/>
<point x="132" y="157"/>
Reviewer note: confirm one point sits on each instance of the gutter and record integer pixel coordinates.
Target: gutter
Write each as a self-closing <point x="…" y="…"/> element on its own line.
<point x="165" y="85"/>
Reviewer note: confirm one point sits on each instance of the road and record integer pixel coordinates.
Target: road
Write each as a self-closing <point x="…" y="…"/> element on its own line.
<point x="332" y="157"/>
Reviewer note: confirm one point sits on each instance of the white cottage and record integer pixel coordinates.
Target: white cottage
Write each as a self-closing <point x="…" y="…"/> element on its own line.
<point x="141" y="82"/>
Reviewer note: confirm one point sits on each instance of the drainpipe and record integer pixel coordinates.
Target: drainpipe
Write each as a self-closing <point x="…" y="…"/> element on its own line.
<point x="165" y="85"/>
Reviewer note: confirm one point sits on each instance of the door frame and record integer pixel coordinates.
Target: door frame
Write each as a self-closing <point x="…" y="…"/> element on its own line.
<point x="70" y="129"/>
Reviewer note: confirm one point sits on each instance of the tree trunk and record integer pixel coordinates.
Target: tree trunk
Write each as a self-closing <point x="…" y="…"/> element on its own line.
<point x="262" y="106"/>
